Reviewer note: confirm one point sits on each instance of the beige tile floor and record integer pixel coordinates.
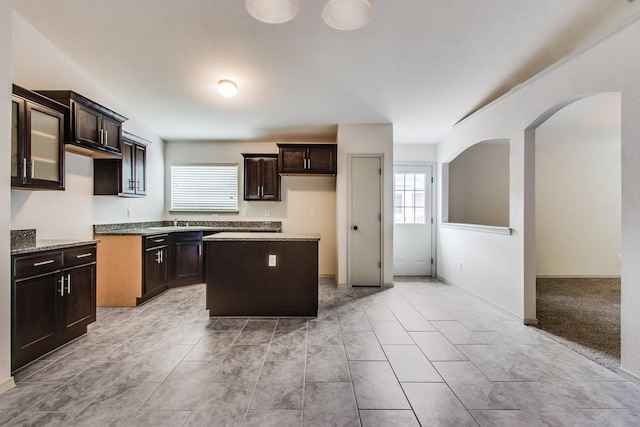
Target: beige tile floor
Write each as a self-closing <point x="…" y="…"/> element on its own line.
<point x="420" y="353"/>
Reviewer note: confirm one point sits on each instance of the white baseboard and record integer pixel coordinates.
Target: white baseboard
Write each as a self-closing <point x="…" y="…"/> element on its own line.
<point x="628" y="376"/>
<point x="7" y="385"/>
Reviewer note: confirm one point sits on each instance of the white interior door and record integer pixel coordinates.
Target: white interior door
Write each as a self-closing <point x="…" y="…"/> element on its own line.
<point x="412" y="222"/>
<point x="365" y="234"/>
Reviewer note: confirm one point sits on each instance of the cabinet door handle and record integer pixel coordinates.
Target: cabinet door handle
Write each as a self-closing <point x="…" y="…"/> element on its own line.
<point x="106" y="137"/>
<point x="24" y="168"/>
<point x="161" y="257"/>
<point x="159" y="240"/>
<point x="61" y="290"/>
<point x="84" y="255"/>
<point x="199" y="250"/>
<point x="38" y="264"/>
<point x="308" y="163"/>
<point x="68" y="283"/>
<point x="32" y="170"/>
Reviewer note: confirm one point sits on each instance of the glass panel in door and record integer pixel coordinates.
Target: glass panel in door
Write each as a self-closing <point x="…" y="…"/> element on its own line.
<point x="45" y="146"/>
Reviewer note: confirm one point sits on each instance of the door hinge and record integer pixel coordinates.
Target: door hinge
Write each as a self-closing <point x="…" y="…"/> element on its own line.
<point x="379" y="217"/>
<point x="380" y="171"/>
<point x="431" y="261"/>
<point x="432" y="180"/>
<point x="431" y="221"/>
<point x="379" y="264"/>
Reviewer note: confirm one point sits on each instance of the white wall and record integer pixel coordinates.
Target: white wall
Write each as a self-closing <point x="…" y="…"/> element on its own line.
<point x="578" y="190"/>
<point x="479" y="185"/>
<point x="503" y="267"/>
<point x="365" y="139"/>
<point x="424" y="153"/>
<point x="38" y="64"/>
<point x="5" y="195"/>
<point x="300" y="195"/>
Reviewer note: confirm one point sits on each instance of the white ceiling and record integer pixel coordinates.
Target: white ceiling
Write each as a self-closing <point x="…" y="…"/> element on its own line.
<point x="422" y="65"/>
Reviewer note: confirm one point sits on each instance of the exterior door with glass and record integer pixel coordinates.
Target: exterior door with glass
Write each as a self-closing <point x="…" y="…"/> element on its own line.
<point x="412" y="244"/>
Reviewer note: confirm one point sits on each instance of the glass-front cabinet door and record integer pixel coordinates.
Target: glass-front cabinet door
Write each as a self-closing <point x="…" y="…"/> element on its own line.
<point x="37" y="142"/>
<point x="17" y="164"/>
<point x="45" y="142"/>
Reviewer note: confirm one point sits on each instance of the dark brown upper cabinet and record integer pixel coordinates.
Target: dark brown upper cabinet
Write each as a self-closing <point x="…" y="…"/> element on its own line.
<point x="307" y="159"/>
<point x="37" y="141"/>
<point x="126" y="177"/>
<point x="91" y="129"/>
<point x="261" y="178"/>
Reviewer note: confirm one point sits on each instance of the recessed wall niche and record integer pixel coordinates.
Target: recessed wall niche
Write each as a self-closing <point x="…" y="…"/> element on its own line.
<point x="478" y="185"/>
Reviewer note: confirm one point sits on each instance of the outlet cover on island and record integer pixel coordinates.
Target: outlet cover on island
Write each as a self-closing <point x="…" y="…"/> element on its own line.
<point x="266" y="212"/>
<point x="129" y="213"/>
<point x="272" y="260"/>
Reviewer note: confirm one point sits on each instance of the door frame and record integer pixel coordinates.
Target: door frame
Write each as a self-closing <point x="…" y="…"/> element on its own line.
<point x="350" y="156"/>
<point x="434" y="211"/>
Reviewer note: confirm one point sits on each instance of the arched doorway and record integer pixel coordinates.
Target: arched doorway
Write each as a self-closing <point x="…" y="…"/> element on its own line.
<point x="573" y="239"/>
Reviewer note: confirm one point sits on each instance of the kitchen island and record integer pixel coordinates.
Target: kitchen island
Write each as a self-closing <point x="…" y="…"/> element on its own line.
<point x="262" y="274"/>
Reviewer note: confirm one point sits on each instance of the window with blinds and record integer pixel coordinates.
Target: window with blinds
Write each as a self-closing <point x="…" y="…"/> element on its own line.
<point x="204" y="188"/>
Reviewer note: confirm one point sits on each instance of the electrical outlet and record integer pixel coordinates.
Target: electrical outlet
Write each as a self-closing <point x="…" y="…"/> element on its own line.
<point x="312" y="213"/>
<point x="460" y="265"/>
<point x="619" y="257"/>
<point x="272" y="260"/>
<point x="129" y="213"/>
<point x="266" y="212"/>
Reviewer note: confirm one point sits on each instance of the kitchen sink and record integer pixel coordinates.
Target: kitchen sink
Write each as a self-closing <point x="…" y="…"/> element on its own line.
<point x="177" y="228"/>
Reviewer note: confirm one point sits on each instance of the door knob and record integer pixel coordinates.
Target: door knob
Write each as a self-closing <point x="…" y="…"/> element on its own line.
<point x="355" y="227"/>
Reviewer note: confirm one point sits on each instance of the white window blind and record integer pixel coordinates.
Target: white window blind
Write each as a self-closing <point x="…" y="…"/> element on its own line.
<point x="204" y="188"/>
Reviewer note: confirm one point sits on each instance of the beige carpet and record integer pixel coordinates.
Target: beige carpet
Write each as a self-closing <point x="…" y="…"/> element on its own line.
<point x="582" y="314"/>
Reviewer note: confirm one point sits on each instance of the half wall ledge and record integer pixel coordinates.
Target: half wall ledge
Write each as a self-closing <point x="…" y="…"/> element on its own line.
<point x="477" y="227"/>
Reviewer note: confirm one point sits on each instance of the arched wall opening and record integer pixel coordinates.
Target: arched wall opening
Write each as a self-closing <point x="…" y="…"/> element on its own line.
<point x="476" y="185"/>
<point x="573" y="192"/>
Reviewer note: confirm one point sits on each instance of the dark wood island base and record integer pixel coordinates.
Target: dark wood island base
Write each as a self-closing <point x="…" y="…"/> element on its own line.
<point x="260" y="274"/>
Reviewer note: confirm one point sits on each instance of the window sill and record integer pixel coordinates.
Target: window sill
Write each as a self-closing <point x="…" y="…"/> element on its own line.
<point x="477" y="227"/>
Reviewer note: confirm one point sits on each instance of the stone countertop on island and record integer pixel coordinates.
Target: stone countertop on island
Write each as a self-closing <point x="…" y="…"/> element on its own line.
<point x="261" y="237"/>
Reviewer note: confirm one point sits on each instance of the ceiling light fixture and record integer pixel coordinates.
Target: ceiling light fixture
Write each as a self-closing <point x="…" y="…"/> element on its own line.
<point x="273" y="11"/>
<point x="347" y="14"/>
<point x="227" y="88"/>
<point x="338" y="14"/>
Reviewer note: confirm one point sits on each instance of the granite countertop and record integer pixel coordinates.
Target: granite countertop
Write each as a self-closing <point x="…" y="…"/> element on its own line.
<point x="159" y="227"/>
<point x="258" y="237"/>
<point x="41" y="245"/>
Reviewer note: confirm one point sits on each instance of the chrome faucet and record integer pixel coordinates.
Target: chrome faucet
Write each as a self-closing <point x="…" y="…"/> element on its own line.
<point x="175" y="222"/>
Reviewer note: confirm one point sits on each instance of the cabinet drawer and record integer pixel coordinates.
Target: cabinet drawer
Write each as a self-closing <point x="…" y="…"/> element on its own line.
<point x="79" y="256"/>
<point x="155" y="241"/>
<point x="187" y="236"/>
<point x="36" y="264"/>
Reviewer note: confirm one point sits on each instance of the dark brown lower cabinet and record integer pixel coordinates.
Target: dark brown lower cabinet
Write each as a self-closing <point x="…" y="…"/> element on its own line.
<point x="187" y="254"/>
<point x="262" y="278"/>
<point x="53" y="299"/>
<point x="155" y="266"/>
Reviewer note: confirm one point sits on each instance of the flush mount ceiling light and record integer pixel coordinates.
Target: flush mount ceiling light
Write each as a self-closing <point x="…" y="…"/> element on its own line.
<point x="338" y="14"/>
<point x="227" y="88"/>
<point x="273" y="11"/>
<point x="347" y="14"/>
